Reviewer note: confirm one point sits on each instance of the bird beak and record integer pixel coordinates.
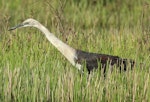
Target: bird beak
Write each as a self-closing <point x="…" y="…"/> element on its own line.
<point x="18" y="26"/>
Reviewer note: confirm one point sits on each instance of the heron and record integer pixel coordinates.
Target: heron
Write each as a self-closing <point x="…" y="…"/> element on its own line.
<point x="76" y="57"/>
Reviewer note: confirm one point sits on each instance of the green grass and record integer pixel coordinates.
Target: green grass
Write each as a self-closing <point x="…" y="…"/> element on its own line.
<point x="31" y="69"/>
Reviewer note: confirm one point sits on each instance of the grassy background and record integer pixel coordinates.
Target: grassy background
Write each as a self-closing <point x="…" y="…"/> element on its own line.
<point x="31" y="69"/>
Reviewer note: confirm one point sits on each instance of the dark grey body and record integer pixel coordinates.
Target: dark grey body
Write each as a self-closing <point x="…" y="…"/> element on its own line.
<point x="93" y="60"/>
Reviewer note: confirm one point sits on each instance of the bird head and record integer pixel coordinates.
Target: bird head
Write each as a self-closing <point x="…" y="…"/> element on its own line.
<point x="26" y="23"/>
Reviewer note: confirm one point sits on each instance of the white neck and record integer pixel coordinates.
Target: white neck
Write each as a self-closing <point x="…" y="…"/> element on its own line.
<point x="66" y="50"/>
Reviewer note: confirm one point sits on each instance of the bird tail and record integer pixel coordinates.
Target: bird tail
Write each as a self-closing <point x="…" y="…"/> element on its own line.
<point x="126" y="63"/>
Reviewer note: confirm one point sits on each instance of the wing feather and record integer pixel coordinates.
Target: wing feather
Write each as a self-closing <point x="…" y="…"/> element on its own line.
<point x="93" y="59"/>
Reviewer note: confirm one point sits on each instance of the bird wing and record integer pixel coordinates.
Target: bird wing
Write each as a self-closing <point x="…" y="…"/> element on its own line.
<point x="92" y="57"/>
<point x="92" y="60"/>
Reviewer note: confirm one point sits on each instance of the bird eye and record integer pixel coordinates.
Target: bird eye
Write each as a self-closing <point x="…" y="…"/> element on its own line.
<point x="26" y="23"/>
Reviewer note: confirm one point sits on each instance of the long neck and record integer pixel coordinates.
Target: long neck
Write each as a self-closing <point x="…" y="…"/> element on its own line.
<point x="66" y="50"/>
